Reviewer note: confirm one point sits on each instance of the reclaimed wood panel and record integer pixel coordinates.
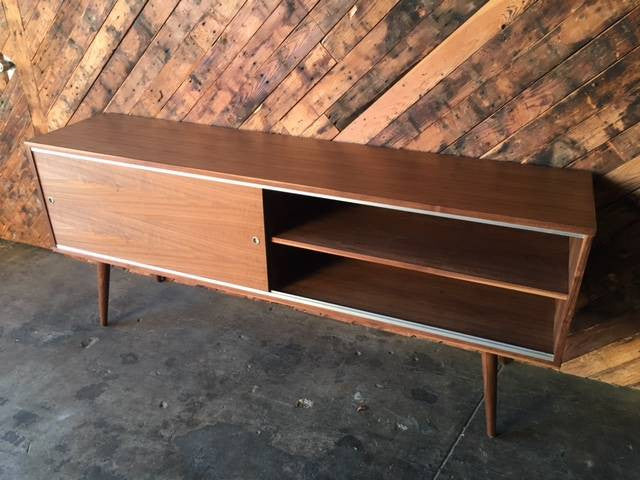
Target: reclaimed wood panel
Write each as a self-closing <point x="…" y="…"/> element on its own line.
<point x="537" y="81"/>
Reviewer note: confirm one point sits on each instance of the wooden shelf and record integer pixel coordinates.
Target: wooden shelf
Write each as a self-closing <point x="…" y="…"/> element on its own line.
<point x="525" y="261"/>
<point x="487" y="312"/>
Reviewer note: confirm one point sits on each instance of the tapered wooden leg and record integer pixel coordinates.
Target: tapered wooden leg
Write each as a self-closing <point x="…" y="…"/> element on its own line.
<point x="489" y="377"/>
<point x="104" y="271"/>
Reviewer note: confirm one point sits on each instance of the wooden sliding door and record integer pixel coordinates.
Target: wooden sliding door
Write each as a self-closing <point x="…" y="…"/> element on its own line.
<point x="187" y="225"/>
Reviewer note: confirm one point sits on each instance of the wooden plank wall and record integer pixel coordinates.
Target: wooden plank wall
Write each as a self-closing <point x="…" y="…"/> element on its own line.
<point x="536" y="81"/>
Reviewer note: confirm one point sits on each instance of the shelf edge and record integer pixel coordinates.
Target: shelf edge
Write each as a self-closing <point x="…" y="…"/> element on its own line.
<point x="278" y="240"/>
<point x="441" y="332"/>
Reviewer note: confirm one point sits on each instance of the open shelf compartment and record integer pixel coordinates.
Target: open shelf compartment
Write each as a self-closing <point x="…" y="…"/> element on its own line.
<point x="482" y="314"/>
<point x="510" y="258"/>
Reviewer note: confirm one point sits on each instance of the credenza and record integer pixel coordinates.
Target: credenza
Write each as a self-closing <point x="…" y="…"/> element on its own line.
<point x="483" y="255"/>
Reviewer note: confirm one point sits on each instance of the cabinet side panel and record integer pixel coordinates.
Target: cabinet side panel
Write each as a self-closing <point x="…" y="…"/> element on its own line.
<point x="183" y="224"/>
<point x="578" y="255"/>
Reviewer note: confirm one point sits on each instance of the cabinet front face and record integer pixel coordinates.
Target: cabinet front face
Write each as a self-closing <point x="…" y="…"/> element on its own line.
<point x="184" y="225"/>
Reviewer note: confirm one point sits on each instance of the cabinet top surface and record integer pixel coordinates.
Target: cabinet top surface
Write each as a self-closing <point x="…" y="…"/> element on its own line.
<point x="523" y="195"/>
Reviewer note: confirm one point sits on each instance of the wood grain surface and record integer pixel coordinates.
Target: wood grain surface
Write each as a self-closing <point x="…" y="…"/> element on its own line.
<point x="525" y="195"/>
<point x="182" y="224"/>
<point x="525" y="261"/>
<point x="486" y="312"/>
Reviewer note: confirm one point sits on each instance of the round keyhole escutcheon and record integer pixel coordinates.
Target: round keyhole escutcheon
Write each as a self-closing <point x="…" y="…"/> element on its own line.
<point x="255" y="240"/>
<point x="51" y="200"/>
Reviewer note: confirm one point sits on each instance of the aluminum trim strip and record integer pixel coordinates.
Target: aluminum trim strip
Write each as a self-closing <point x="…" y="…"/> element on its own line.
<point x="132" y="263"/>
<point x="300" y="192"/>
<point x="506" y="347"/>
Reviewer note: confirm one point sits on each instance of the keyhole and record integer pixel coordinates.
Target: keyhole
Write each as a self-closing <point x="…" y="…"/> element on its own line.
<point x="51" y="200"/>
<point x="255" y="240"/>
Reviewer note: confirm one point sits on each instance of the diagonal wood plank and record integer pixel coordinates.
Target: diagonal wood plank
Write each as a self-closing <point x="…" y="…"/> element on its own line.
<point x="53" y="78"/>
<point x="447" y="56"/>
<point x="267" y="77"/>
<point x="66" y="18"/>
<point x="572" y="109"/>
<point x="18" y="50"/>
<point x="487" y="62"/>
<point x="4" y="28"/>
<point x="613" y="118"/>
<point x="444" y="19"/>
<point x="264" y="42"/>
<point x="125" y="57"/>
<point x="306" y="74"/>
<point x="161" y="49"/>
<point x="355" y="25"/>
<point x="192" y="49"/>
<point x="380" y="40"/>
<point x="239" y="31"/>
<point x="108" y="37"/>
<point x="39" y="23"/>
<point x="579" y="68"/>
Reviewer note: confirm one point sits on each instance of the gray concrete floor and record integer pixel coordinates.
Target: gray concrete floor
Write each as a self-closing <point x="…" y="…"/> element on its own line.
<point x="189" y="383"/>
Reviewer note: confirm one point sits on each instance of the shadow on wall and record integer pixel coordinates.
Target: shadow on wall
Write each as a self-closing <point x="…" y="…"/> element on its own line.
<point x="611" y="287"/>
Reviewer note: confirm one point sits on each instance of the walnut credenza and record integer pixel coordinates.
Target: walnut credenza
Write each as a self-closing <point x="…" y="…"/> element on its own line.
<point x="478" y="254"/>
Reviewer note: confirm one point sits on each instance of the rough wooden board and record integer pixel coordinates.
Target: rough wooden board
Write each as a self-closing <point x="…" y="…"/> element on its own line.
<point x="380" y="40"/>
<point x="125" y="57"/>
<point x="22" y="216"/>
<point x="4" y="29"/>
<point x="440" y="62"/>
<point x="616" y="363"/>
<point x="514" y="41"/>
<point x="26" y="9"/>
<point x="108" y="37"/>
<point x="626" y="178"/>
<point x="587" y="63"/>
<point x="252" y="63"/>
<point x="352" y="27"/>
<point x="217" y="59"/>
<point x="161" y="49"/>
<point x="39" y="22"/>
<point x="58" y="32"/>
<point x="613" y="153"/>
<point x="81" y="37"/>
<point x="308" y="72"/>
<point x="328" y="12"/>
<point x="199" y="40"/>
<point x="570" y="110"/>
<point x="432" y="30"/>
<point x="288" y="55"/>
<point x="525" y="85"/>
<point x="207" y="30"/>
<point x="614" y="117"/>
<point x="17" y="48"/>
<point x="322" y="128"/>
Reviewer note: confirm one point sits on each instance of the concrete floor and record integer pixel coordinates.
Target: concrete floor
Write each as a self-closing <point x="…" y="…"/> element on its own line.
<point x="189" y="383"/>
